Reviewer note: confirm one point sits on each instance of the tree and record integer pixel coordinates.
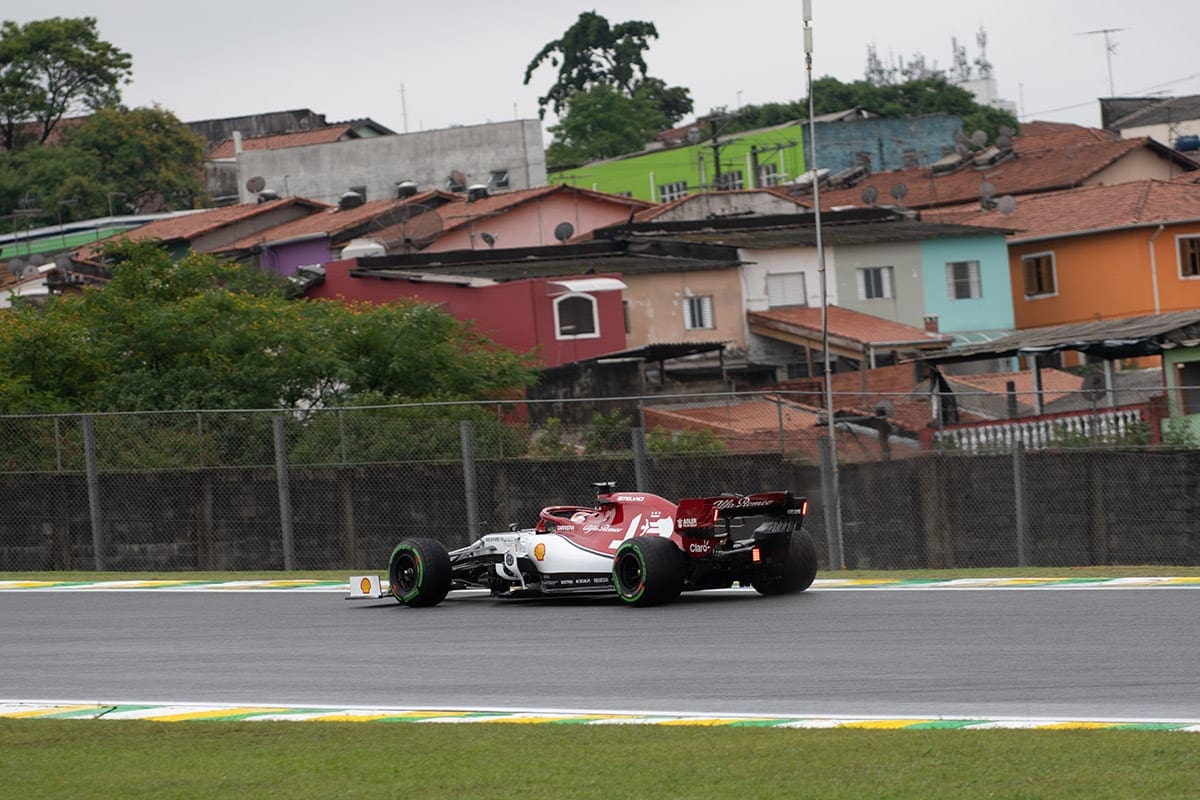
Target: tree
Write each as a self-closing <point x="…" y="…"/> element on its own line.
<point x="203" y="333"/>
<point x="603" y="123"/>
<point x="145" y="154"/>
<point x="144" y="158"/>
<point x="52" y="67"/>
<point x="593" y="52"/>
<point x="912" y="98"/>
<point x="605" y="101"/>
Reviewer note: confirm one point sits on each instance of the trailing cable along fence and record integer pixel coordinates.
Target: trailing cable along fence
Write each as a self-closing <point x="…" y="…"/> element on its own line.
<point x="336" y="488"/>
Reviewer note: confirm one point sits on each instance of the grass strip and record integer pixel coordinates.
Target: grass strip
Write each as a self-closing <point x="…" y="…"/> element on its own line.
<point x="104" y="759"/>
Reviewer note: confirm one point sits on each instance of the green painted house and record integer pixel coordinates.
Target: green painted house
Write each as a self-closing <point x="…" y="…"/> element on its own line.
<point x="743" y="160"/>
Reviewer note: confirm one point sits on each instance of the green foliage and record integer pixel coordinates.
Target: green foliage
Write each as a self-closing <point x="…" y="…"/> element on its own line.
<point x="913" y="98"/>
<point x="601" y="122"/>
<point x="592" y="52"/>
<point x="202" y="333"/>
<point x="605" y="101"/>
<point x="608" y="432"/>
<point x="1179" y="432"/>
<point x="549" y="442"/>
<point x="53" y="67"/>
<point x="663" y="442"/>
<point x="143" y="159"/>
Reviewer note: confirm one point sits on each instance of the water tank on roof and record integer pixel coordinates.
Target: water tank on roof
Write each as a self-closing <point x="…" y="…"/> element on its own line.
<point x="406" y="189"/>
<point x="1188" y="143"/>
<point x="476" y="191"/>
<point x="349" y="200"/>
<point x="361" y="248"/>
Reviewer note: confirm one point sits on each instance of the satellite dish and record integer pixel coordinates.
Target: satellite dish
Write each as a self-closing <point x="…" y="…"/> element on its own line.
<point x="256" y="184"/>
<point x="408" y="227"/>
<point x="457" y="182"/>
<point x="979" y="138"/>
<point x="1006" y="131"/>
<point x="898" y="191"/>
<point x="962" y="149"/>
<point x="16" y="266"/>
<point x="693" y="135"/>
<point x="488" y="239"/>
<point x="30" y="271"/>
<point x="960" y="137"/>
<point x="564" y="231"/>
<point x="1004" y="142"/>
<point x="1006" y="204"/>
<point x="869" y="195"/>
<point x="885" y="408"/>
<point x="987" y="190"/>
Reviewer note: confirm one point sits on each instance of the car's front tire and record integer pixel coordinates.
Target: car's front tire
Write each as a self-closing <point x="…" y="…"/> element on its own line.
<point x="648" y="571"/>
<point x="799" y="568"/>
<point x="419" y="572"/>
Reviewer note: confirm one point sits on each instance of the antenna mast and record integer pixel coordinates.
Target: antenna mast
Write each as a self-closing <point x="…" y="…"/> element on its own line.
<point x="1110" y="47"/>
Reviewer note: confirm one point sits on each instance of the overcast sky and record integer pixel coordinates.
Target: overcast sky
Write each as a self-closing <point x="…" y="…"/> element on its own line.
<point x="425" y="64"/>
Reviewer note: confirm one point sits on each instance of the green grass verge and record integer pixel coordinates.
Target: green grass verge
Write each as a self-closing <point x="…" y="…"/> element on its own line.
<point x="98" y="759"/>
<point x="343" y="574"/>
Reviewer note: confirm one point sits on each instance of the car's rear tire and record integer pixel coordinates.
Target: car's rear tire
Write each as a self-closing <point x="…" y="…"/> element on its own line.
<point x="799" y="568"/>
<point x="419" y="572"/>
<point x="648" y="571"/>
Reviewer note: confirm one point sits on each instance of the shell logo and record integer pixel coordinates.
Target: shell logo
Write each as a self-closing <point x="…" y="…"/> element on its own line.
<point x="365" y="585"/>
<point x="539" y="552"/>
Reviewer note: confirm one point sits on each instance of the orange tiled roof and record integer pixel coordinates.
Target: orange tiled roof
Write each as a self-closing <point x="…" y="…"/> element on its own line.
<point x="1037" y="136"/>
<point x="1056" y="384"/>
<point x="1088" y="209"/>
<point x="1027" y="173"/>
<point x="186" y="227"/>
<point x="465" y="213"/>
<point x="280" y="141"/>
<point x="332" y="221"/>
<point x="855" y="326"/>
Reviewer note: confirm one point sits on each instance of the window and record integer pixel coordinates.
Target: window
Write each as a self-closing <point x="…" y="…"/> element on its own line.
<point x="698" y="312"/>
<point x="672" y="191"/>
<point x="1039" y="274"/>
<point x="874" y="283"/>
<point x="729" y="180"/>
<point x="768" y="175"/>
<point x="1189" y="256"/>
<point x="962" y="280"/>
<point x="575" y="317"/>
<point x="1187" y="378"/>
<point x="499" y="179"/>
<point x="786" y="289"/>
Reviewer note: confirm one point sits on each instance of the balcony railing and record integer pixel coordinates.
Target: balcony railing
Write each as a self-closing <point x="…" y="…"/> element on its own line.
<point x="1134" y="424"/>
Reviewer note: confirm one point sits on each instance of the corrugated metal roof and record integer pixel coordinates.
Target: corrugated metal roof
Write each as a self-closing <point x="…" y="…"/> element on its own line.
<point x="1112" y="338"/>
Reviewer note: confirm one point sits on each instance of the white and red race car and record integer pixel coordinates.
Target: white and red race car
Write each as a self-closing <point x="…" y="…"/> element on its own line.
<point x="642" y="546"/>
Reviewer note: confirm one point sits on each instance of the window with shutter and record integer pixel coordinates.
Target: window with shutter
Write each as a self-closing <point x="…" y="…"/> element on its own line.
<point x="575" y="317"/>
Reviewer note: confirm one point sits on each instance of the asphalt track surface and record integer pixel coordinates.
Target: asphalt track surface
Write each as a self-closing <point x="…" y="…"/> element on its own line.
<point x="1121" y="653"/>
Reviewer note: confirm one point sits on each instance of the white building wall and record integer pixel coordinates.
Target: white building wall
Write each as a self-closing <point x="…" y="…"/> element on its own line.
<point x="325" y="171"/>
<point x="762" y="263"/>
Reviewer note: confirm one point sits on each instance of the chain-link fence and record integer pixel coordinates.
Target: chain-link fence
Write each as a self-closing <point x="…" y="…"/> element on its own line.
<point x="337" y="488"/>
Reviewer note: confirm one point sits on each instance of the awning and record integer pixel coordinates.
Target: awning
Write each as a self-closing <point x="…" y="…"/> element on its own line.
<point x="584" y="285"/>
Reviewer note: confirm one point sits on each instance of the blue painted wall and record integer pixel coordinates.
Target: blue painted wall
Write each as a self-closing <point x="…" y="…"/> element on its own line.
<point x="993" y="310"/>
<point x="885" y="140"/>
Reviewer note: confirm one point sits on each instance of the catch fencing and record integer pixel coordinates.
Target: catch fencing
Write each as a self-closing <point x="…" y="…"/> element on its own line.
<point x="336" y="488"/>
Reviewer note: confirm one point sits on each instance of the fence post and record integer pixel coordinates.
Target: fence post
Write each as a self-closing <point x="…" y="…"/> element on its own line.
<point x="833" y="525"/>
<point x="466" y="431"/>
<point x="640" y="462"/>
<point x="285" y="494"/>
<point x="93" y="489"/>
<point x="1019" y="502"/>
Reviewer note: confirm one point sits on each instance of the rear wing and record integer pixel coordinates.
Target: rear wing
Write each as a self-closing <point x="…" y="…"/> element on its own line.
<point x="785" y="513"/>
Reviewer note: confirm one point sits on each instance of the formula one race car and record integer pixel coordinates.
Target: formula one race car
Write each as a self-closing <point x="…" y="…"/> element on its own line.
<point x="642" y="546"/>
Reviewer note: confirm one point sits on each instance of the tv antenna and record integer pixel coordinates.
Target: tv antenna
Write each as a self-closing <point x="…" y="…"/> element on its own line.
<point x="1110" y="47"/>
